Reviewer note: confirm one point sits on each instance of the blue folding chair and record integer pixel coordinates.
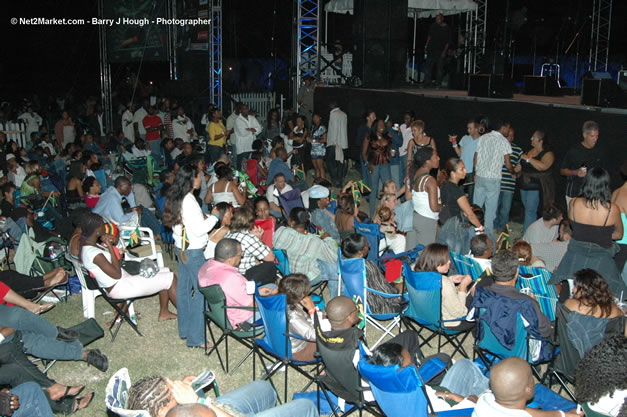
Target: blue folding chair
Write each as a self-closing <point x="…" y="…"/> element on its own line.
<point x="290" y="200"/>
<point x="352" y="283"/>
<point x="281" y="260"/>
<point x="372" y="233"/>
<point x="465" y="265"/>
<point x="537" y="280"/>
<point x="399" y="391"/>
<point x="275" y="347"/>
<point x="424" y="290"/>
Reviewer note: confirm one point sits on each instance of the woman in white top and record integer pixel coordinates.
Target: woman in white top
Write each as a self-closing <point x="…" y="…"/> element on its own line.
<point x="190" y="229"/>
<point x="225" y="211"/>
<point x="425" y="196"/>
<point x="100" y="257"/>
<point x="225" y="190"/>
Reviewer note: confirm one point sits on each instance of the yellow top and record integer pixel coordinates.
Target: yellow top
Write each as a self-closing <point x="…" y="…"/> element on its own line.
<point x="215" y="129"/>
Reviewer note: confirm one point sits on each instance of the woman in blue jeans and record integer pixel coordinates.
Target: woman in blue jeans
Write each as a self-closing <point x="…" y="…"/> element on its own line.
<point x="537" y="160"/>
<point x="190" y="229"/>
<point x="376" y="152"/>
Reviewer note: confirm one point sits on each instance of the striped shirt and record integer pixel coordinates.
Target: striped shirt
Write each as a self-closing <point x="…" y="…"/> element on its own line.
<point x="508" y="182"/>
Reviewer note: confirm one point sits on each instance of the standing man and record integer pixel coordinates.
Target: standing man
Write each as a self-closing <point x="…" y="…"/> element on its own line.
<point x="492" y="151"/>
<point x="246" y="130"/>
<point x="580" y="158"/>
<point x="138" y="119"/>
<point x="152" y="124"/>
<point x="466" y="151"/>
<point x="508" y="186"/>
<point x="183" y="126"/>
<point x="337" y="142"/>
<point x="127" y="123"/>
<point x="435" y="48"/>
<point x="305" y="98"/>
<point x="31" y="120"/>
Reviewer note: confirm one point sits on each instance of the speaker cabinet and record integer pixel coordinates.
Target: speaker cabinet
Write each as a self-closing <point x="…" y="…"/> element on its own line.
<point x="490" y="85"/>
<point x="540" y="86"/>
<point x="602" y="93"/>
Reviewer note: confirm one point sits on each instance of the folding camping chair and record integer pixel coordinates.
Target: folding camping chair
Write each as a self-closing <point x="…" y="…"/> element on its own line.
<point x="275" y="347"/>
<point x="352" y="283"/>
<point x="399" y="391"/>
<point x="424" y="290"/>
<point x="289" y="200"/>
<point x="216" y="313"/>
<point x="372" y="233"/>
<point x="465" y="265"/>
<point x="537" y="280"/>
<point x="283" y="265"/>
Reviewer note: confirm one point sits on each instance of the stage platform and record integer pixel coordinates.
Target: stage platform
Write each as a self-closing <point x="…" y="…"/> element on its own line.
<point x="447" y="112"/>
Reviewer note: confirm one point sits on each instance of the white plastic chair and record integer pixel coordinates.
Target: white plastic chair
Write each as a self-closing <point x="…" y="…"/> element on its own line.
<point x="146" y="237"/>
<point x="88" y="295"/>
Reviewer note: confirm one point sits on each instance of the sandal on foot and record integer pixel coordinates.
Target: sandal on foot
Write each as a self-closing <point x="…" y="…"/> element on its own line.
<point x="44" y="308"/>
<point x="67" y="394"/>
<point x="77" y="403"/>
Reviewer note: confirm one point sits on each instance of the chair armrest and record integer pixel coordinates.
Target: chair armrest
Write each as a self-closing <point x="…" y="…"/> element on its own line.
<point x="248" y="308"/>
<point x="384" y="294"/>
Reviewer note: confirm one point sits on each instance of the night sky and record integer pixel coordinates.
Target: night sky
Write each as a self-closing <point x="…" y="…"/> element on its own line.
<point x="54" y="58"/>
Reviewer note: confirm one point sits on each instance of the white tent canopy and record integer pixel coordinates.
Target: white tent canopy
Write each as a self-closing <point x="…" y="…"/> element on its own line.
<point x="421" y="8"/>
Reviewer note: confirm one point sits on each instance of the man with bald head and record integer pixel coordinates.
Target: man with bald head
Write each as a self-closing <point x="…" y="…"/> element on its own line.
<point x="512" y="387"/>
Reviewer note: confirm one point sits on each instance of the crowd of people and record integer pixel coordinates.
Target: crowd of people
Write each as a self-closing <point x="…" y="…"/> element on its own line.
<point x="233" y="193"/>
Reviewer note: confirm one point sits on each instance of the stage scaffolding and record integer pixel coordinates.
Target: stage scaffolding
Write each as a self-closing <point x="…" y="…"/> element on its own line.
<point x="215" y="53"/>
<point x="600" y="35"/>
<point x="306" y="42"/>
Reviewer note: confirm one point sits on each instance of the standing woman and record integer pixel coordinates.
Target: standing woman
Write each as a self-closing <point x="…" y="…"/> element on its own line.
<point x="190" y="227"/>
<point x="619" y="197"/>
<point x="536" y="176"/>
<point x="297" y="136"/>
<point x="456" y="217"/>
<point x="425" y="197"/>
<point x="217" y="136"/>
<point x="376" y="152"/>
<point x="64" y="130"/>
<point x="318" y="140"/>
<point x="419" y="140"/>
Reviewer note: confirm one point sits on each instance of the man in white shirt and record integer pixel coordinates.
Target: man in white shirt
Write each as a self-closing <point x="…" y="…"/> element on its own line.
<point x="481" y="251"/>
<point x="138" y="119"/>
<point x="546" y="228"/>
<point x="127" y="123"/>
<point x="553" y="252"/>
<point x="183" y="126"/>
<point x="31" y="120"/>
<point x="281" y="185"/>
<point x="492" y="151"/>
<point x="337" y="142"/>
<point x="408" y="118"/>
<point x="246" y="130"/>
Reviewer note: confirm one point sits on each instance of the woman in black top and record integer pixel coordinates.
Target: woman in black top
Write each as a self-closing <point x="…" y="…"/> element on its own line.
<point x="535" y="165"/>
<point x="456" y="216"/>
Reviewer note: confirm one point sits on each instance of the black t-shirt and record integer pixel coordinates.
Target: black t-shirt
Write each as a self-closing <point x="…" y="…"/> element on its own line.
<point x="439" y="37"/>
<point x="450" y="193"/>
<point x="575" y="158"/>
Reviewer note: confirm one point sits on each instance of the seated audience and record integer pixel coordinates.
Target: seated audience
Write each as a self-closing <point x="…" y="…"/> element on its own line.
<point x="28" y="286"/>
<point x="553" y="252"/>
<point x="98" y="254"/>
<point x="511" y="388"/>
<point x="279" y="165"/>
<point x="524" y="252"/>
<point x="226" y="189"/>
<point x="16" y="174"/>
<point x="392" y="240"/>
<point x="321" y="217"/>
<point x="279" y="186"/>
<point x="74" y="193"/>
<point x="222" y="270"/>
<point x="220" y="230"/>
<point x="435" y="258"/>
<point x="139" y="149"/>
<point x="481" y="250"/>
<point x="262" y="208"/>
<point x="356" y="246"/>
<point x="91" y="190"/>
<point x="546" y="228"/>
<point x="24" y="400"/>
<point x="164" y="398"/>
<point x="309" y="254"/>
<point x="346" y="214"/>
<point x="300" y="311"/>
<point x="600" y="379"/>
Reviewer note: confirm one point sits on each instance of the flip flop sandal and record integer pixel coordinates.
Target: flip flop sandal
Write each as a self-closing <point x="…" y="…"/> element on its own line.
<point x="67" y="394"/>
<point x="77" y="403"/>
<point x="44" y="308"/>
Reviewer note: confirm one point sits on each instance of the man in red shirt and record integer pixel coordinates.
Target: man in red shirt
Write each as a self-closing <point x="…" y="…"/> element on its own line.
<point x="153" y="126"/>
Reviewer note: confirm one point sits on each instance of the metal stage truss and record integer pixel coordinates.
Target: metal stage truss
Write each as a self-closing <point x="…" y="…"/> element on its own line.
<point x="215" y="53"/>
<point x="105" y="73"/>
<point x="306" y="41"/>
<point x="600" y="34"/>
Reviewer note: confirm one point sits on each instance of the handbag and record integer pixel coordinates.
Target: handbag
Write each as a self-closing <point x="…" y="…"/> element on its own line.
<point x="132" y="267"/>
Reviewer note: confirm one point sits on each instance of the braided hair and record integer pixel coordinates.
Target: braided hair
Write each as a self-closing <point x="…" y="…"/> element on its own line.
<point x="149" y="393"/>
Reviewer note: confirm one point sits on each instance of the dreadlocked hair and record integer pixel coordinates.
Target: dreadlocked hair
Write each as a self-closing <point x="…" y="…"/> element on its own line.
<point x="149" y="393"/>
<point x="600" y="372"/>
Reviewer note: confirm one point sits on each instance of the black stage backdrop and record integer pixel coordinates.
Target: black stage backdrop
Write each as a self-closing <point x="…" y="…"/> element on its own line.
<point x="443" y="116"/>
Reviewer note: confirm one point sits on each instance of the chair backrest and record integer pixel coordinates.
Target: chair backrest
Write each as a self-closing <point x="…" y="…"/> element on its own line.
<point x="274" y="314"/>
<point x="81" y="273"/>
<point x="486" y="340"/>
<point x="216" y="303"/>
<point x="353" y="279"/>
<point x="268" y="226"/>
<point x="537" y="279"/>
<point x="466" y="265"/>
<point x="372" y="233"/>
<point x="337" y="350"/>
<point x="289" y="200"/>
<point x="282" y="262"/>
<point x="398" y="391"/>
<point x="251" y="170"/>
<point x="425" y="296"/>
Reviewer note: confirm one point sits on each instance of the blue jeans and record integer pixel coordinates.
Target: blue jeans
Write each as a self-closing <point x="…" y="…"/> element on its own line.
<point x="504" y="207"/>
<point x="13" y="229"/>
<point x="155" y="151"/>
<point x="258" y="398"/>
<point x="487" y="196"/>
<point x="23" y="320"/>
<point x="380" y="175"/>
<point x="531" y="201"/>
<point x="403" y="167"/>
<point x="190" y="303"/>
<point x="148" y="219"/>
<point x="395" y="174"/>
<point x="33" y="402"/>
<point x="328" y="273"/>
<point x="365" y="174"/>
<point x="465" y="378"/>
